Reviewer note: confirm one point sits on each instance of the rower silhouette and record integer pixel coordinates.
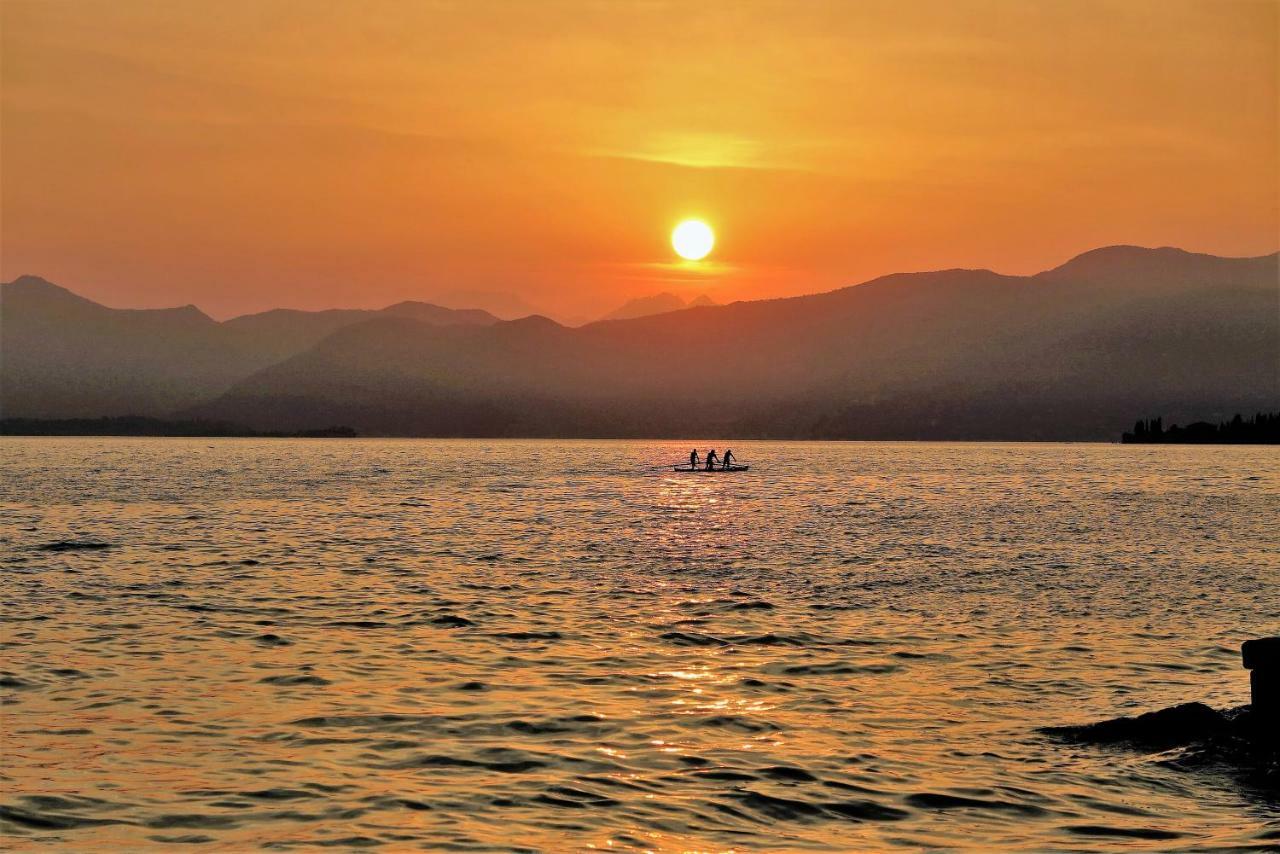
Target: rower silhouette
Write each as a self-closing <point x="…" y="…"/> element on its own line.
<point x="711" y="460"/>
<point x="693" y="459"/>
<point x="728" y="458"/>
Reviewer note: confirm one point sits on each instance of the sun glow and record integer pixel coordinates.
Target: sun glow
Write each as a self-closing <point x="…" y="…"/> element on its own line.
<point x="693" y="239"/>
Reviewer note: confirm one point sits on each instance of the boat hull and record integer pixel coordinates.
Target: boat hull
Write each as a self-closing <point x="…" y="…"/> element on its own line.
<point x="702" y="470"/>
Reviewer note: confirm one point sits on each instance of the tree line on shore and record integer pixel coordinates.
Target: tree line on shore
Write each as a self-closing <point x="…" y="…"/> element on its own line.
<point x="1261" y="428"/>
<point x="138" y="425"/>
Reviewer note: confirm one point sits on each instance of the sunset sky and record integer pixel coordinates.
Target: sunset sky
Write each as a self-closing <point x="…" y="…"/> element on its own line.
<point x="247" y="155"/>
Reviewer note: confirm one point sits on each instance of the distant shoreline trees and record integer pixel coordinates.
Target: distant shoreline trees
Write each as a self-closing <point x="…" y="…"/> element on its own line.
<point x="138" y="425"/>
<point x="1262" y="428"/>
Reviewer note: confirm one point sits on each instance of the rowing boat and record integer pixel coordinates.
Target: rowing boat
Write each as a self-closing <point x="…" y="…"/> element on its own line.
<point x="702" y="469"/>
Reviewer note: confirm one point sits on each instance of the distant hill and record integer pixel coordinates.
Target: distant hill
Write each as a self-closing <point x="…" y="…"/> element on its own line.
<point x="953" y="354"/>
<point x="63" y="356"/>
<point x="282" y="332"/>
<point x="655" y="304"/>
<point x="501" y="304"/>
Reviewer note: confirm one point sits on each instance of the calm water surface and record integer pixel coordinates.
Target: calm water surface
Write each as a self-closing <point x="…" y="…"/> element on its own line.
<point x="479" y="645"/>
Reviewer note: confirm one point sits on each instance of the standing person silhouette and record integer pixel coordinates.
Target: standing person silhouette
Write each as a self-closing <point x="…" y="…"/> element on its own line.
<point x="711" y="460"/>
<point x="728" y="458"/>
<point x="693" y="459"/>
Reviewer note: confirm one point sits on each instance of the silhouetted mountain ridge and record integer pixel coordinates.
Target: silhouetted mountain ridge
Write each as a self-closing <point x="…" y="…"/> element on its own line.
<point x="1065" y="354"/>
<point x="947" y="354"/>
<point x="501" y="304"/>
<point x="67" y="356"/>
<point x="656" y="304"/>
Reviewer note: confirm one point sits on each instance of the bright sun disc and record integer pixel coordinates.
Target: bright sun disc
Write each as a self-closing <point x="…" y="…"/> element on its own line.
<point x="693" y="239"/>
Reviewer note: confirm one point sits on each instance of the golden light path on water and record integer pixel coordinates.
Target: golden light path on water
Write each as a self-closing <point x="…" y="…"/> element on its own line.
<point x="553" y="646"/>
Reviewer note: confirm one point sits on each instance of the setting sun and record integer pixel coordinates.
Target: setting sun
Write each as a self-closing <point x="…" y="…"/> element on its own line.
<point x="693" y="239"/>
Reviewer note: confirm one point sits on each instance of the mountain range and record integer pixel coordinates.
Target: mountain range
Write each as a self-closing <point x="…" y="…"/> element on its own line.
<point x="656" y="304"/>
<point x="1076" y="352"/>
<point x="501" y="304"/>
<point x="63" y="356"/>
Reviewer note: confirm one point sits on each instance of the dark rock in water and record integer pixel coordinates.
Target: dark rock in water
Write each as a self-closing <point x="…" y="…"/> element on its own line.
<point x="72" y="546"/>
<point x="1237" y="739"/>
<point x="1172" y="727"/>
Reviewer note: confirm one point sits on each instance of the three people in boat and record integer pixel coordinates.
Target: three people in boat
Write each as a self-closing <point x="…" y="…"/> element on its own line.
<point x="712" y="459"/>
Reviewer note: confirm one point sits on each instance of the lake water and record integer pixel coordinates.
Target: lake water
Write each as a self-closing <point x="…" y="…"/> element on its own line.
<point x="474" y="645"/>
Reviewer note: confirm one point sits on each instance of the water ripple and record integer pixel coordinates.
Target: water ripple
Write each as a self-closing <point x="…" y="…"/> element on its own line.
<point x="484" y="645"/>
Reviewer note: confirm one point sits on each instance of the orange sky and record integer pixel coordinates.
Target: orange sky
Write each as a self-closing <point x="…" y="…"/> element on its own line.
<point x="246" y="154"/>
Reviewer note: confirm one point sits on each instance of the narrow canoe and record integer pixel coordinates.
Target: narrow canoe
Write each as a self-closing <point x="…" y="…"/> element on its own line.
<point x="703" y="470"/>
